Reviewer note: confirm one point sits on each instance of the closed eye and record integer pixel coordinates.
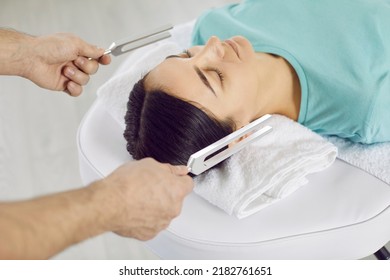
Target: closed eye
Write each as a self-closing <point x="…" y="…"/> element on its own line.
<point x="218" y="72"/>
<point x="187" y="52"/>
<point x="200" y="74"/>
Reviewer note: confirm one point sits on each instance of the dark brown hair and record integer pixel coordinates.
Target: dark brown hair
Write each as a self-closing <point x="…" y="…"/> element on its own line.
<point x="166" y="128"/>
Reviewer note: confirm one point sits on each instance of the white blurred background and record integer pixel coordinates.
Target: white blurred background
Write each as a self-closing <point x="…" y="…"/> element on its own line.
<point x="38" y="153"/>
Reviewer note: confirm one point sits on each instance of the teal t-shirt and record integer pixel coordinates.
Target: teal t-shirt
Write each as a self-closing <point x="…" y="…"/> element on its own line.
<point x="339" y="49"/>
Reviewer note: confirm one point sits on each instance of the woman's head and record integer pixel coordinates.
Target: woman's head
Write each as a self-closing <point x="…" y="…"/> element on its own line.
<point x="166" y="128"/>
<point x="221" y="78"/>
<point x="191" y="100"/>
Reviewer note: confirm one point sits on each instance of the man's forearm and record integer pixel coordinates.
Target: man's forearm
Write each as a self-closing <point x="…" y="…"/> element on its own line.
<point x="40" y="228"/>
<point x="14" y="52"/>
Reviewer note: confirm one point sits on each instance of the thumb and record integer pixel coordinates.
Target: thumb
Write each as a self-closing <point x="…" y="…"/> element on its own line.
<point x="179" y="170"/>
<point x="90" y="51"/>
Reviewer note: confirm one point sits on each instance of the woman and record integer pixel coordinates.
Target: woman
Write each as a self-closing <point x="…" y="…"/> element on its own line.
<point x="321" y="64"/>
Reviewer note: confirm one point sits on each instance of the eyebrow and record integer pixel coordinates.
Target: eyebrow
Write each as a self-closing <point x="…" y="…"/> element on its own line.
<point x="201" y="76"/>
<point x="172" y="56"/>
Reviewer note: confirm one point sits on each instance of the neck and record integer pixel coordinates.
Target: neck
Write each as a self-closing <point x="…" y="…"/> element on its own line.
<point x="279" y="88"/>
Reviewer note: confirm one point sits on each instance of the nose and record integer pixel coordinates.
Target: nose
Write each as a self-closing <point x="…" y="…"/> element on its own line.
<point x="213" y="49"/>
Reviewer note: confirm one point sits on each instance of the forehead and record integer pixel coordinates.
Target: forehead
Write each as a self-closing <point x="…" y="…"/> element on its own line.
<point x="173" y="75"/>
<point x="178" y="78"/>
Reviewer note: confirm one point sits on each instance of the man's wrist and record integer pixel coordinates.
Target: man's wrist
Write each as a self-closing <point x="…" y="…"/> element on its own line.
<point x="105" y="199"/>
<point x="16" y="54"/>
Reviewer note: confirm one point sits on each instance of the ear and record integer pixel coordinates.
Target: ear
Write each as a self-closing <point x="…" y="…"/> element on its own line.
<point x="239" y="139"/>
<point x="240" y="125"/>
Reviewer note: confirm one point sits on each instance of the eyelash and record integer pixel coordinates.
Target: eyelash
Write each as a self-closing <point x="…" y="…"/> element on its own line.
<point x="219" y="73"/>
<point x="216" y="70"/>
<point x="187" y="52"/>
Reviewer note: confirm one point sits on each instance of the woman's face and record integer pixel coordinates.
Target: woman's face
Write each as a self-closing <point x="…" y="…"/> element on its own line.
<point x="219" y="77"/>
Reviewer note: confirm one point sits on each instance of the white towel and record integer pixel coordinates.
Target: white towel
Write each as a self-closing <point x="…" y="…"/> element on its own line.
<point x="267" y="170"/>
<point x="374" y="158"/>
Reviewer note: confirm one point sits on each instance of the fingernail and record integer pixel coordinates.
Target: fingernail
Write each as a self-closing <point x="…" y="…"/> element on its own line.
<point x="69" y="88"/>
<point x="80" y="61"/>
<point x="69" y="71"/>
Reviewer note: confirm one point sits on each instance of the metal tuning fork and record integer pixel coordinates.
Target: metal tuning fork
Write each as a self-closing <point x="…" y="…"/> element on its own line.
<point x="220" y="150"/>
<point x="135" y="42"/>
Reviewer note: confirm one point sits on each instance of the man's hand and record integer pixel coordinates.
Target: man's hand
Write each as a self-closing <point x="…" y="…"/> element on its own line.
<point x="60" y="62"/>
<point x="146" y="196"/>
<point x="63" y="62"/>
<point x="138" y="200"/>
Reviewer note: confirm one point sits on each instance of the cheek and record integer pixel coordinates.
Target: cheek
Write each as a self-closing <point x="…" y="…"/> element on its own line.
<point x="243" y="95"/>
<point x="240" y="98"/>
<point x="243" y="72"/>
<point x="244" y="85"/>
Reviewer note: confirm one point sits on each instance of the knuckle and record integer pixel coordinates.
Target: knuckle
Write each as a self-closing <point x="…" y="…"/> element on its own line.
<point x="176" y="209"/>
<point x="92" y="67"/>
<point x="176" y="212"/>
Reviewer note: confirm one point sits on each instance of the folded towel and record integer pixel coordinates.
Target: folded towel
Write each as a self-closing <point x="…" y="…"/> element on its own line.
<point x="262" y="173"/>
<point x="267" y="170"/>
<point x="374" y="158"/>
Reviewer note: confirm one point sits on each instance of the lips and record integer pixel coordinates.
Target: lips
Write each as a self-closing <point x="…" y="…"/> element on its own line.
<point x="233" y="45"/>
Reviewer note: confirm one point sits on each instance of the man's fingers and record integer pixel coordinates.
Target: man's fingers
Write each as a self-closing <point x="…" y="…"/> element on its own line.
<point x="105" y="59"/>
<point x="88" y="50"/>
<point x="77" y="76"/>
<point x="73" y="89"/>
<point x="187" y="183"/>
<point x="178" y="169"/>
<point x="88" y="66"/>
<point x="93" y="52"/>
